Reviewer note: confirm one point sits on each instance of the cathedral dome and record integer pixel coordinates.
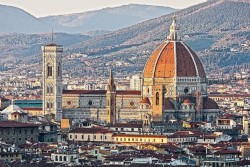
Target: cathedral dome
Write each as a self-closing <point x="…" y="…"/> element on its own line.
<point x="187" y="101"/>
<point x="173" y="58"/>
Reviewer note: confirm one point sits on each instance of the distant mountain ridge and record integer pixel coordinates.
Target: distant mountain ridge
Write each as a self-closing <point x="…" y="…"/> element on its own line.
<point x="17" y="20"/>
<point x="106" y="19"/>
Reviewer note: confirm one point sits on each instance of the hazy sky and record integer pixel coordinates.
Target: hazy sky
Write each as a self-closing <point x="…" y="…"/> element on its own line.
<point x="55" y="7"/>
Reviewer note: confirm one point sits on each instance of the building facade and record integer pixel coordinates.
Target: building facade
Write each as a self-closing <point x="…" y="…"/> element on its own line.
<point x="174" y="88"/>
<point x="18" y="133"/>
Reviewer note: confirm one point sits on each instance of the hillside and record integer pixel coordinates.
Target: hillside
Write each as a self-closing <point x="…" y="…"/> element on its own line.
<point x="27" y="47"/>
<point x="15" y="20"/>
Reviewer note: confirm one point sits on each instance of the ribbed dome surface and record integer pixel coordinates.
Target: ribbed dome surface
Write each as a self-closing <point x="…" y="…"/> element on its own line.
<point x="173" y="58"/>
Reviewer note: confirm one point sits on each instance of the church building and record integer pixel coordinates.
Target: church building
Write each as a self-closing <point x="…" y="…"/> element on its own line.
<point x="174" y="88"/>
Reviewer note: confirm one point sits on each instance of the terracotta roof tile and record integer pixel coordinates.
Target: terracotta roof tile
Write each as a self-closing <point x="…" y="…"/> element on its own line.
<point x="209" y="103"/>
<point x="128" y="92"/>
<point x="145" y="101"/>
<point x="168" y="105"/>
<point x="14" y="124"/>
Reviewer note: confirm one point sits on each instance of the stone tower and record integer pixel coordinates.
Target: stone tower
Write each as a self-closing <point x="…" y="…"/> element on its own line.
<point x="111" y="100"/>
<point x="52" y="80"/>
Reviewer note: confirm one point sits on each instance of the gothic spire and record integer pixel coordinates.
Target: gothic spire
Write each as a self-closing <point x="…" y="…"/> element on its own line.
<point x="111" y="83"/>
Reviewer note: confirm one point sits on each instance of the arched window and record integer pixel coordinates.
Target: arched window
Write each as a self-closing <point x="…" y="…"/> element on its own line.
<point x="148" y="90"/>
<point x="48" y="89"/>
<point x="157" y="98"/>
<point x="51" y="90"/>
<point x="49" y="70"/>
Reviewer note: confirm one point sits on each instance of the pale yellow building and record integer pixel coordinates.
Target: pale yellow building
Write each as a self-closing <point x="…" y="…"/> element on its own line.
<point x="130" y="139"/>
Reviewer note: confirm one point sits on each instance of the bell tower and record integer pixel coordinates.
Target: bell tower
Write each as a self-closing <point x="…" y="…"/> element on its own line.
<point x="52" y="80"/>
<point x="111" y="100"/>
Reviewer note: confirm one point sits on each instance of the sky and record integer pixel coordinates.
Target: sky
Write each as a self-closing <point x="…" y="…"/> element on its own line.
<point x="41" y="8"/>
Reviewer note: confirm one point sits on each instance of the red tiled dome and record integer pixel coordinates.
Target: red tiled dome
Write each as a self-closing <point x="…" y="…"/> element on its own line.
<point x="145" y="101"/>
<point x="187" y="101"/>
<point x="209" y="103"/>
<point x="173" y="58"/>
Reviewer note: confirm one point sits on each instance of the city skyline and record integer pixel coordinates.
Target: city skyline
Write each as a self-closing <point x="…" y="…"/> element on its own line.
<point x="41" y="8"/>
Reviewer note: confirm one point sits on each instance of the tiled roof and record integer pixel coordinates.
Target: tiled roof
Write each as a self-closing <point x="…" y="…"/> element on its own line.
<point x="127" y="125"/>
<point x="128" y="92"/>
<point x="102" y="92"/>
<point x="168" y="105"/>
<point x="171" y="59"/>
<point x="209" y="103"/>
<point x="227" y="152"/>
<point x="84" y="91"/>
<point x="14" y="124"/>
<point x="37" y="109"/>
<point x="145" y="101"/>
<point x="187" y="101"/>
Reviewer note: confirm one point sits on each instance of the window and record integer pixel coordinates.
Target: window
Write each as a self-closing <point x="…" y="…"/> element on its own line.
<point x="48" y="89"/>
<point x="94" y="136"/>
<point x="70" y="136"/>
<point x="51" y="90"/>
<point x="59" y="69"/>
<point x="157" y="98"/>
<point x="64" y="158"/>
<point x="49" y="70"/>
<point x="75" y="136"/>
